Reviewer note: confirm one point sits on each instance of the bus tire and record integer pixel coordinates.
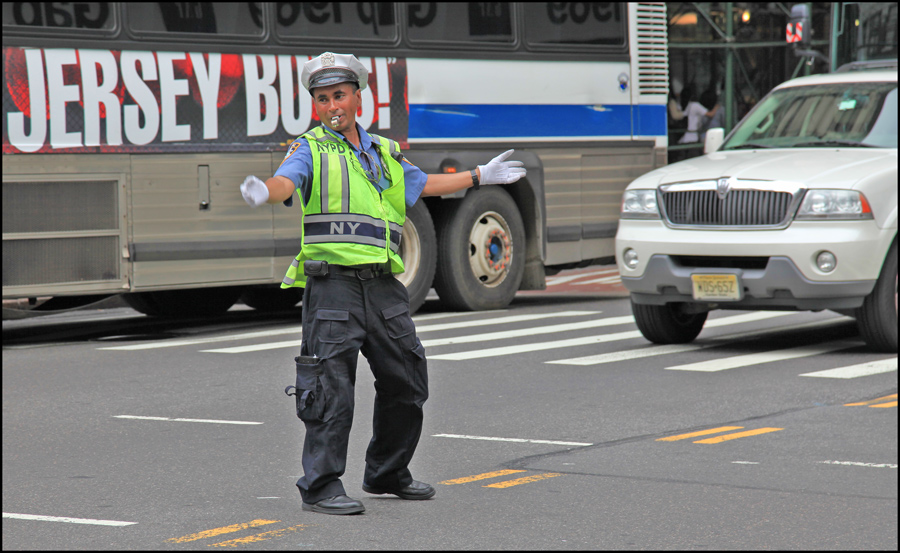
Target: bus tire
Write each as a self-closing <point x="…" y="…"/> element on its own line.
<point x="271" y="298"/>
<point x="877" y="318"/>
<point x="418" y="249"/>
<point x="180" y="304"/>
<point x="481" y="245"/>
<point x="667" y="324"/>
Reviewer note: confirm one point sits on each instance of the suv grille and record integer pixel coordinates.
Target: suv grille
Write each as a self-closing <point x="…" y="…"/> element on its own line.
<point x="739" y="208"/>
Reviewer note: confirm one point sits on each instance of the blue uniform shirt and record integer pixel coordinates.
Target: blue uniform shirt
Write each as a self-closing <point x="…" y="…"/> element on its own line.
<point x="297" y="166"/>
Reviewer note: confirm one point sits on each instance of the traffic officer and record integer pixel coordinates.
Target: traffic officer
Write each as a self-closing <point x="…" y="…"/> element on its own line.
<point x="354" y="188"/>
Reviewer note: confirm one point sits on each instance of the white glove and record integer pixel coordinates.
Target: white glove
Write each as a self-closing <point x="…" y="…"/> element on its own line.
<point x="498" y="171"/>
<point x="254" y="191"/>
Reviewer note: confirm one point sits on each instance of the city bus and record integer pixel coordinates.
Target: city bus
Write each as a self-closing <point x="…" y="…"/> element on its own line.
<point x="128" y="128"/>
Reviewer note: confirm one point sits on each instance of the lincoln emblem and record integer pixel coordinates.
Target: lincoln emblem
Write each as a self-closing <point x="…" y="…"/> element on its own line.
<point x="724" y="186"/>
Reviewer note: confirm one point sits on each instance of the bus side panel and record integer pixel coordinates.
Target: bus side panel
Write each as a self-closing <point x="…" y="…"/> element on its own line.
<point x="604" y="176"/>
<point x="562" y="190"/>
<point x="64" y="225"/>
<point x="583" y="187"/>
<point x="179" y="242"/>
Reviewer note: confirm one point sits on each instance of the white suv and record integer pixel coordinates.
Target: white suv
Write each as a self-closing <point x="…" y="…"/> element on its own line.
<point x="796" y="210"/>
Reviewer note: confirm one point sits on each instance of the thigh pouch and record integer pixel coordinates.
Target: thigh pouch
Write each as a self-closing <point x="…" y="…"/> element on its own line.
<point x="311" y="391"/>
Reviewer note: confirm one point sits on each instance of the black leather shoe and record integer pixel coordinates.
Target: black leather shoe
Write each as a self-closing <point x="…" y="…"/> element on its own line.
<point x="416" y="490"/>
<point x="337" y="505"/>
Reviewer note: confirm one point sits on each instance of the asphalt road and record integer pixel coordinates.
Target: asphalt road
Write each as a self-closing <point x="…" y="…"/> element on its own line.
<point x="551" y="425"/>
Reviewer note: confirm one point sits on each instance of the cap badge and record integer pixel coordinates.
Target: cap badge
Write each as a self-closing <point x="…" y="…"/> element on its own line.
<point x="327" y="59"/>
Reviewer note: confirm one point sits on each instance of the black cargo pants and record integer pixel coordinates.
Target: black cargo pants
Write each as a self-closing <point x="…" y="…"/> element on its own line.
<point x="343" y="315"/>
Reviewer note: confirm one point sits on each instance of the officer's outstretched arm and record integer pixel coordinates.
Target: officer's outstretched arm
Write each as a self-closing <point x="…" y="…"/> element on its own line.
<point x="280" y="189"/>
<point x="497" y="171"/>
<point x="446" y="183"/>
<point x="256" y="192"/>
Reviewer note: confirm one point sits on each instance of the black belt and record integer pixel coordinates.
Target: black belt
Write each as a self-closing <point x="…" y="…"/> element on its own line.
<point x="362" y="272"/>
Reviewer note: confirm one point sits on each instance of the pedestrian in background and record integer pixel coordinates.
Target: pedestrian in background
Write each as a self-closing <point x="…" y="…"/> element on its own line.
<point x="695" y="111"/>
<point x="355" y="188"/>
<point x="710" y="98"/>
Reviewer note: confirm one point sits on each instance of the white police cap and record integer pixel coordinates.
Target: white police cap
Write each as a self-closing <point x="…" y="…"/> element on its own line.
<point x="329" y="69"/>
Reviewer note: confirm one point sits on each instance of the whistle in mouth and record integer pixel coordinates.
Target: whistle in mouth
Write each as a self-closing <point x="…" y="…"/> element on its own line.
<point x="334" y="120"/>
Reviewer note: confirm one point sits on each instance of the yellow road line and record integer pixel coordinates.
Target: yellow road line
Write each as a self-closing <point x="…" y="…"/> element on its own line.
<point x="484" y="476"/>
<point x="700" y="433"/>
<point x="889" y="404"/>
<point x="257" y="537"/>
<point x="737" y="435"/>
<point x="892" y="396"/>
<point x="523" y="480"/>
<point x="222" y="530"/>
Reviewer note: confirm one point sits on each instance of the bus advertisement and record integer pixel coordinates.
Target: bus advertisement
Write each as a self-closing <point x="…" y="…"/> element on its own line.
<point x="128" y="127"/>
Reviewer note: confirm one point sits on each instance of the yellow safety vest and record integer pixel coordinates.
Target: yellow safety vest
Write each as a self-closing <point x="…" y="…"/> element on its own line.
<point x="346" y="221"/>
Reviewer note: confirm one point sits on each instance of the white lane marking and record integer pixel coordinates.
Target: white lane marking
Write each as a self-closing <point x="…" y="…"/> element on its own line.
<point x="69" y="519"/>
<point x="612" y="321"/>
<point x="182" y="420"/>
<point x="626" y="355"/>
<point x="420" y="330"/>
<point x="856" y="464"/>
<point x="552" y="281"/>
<point x="504" y="320"/>
<point x="725" y="363"/>
<point x="587" y="340"/>
<point x="855" y="371"/>
<point x="431" y="316"/>
<point x="295" y="330"/>
<point x="191" y="341"/>
<point x="745" y="462"/>
<point x="520" y="440"/>
<point x="604" y="280"/>
<point x="255" y="347"/>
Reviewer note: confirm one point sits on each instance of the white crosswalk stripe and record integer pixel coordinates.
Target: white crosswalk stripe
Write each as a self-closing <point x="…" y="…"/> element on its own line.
<point x="448" y="326"/>
<point x="856" y="371"/>
<point x="587" y="340"/>
<point x="723" y="364"/>
<point x="718" y="341"/>
<point x="538" y="330"/>
<point x="552" y="281"/>
<point x="604" y="280"/>
<point x="211" y="339"/>
<point x="488" y="327"/>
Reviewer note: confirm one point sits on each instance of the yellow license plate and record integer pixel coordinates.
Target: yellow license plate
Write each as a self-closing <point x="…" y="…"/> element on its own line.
<point x="716" y="287"/>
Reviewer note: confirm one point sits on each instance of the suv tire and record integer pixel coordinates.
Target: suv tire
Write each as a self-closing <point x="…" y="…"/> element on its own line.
<point x="877" y="318"/>
<point x="667" y="324"/>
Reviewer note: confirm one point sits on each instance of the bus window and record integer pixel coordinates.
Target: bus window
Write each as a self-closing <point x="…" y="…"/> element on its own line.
<point x="459" y="22"/>
<point x="580" y="23"/>
<point x="216" y="18"/>
<point x="369" y="21"/>
<point x="59" y="15"/>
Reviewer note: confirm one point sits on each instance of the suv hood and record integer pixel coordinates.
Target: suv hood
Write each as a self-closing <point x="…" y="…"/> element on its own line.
<point x="811" y="167"/>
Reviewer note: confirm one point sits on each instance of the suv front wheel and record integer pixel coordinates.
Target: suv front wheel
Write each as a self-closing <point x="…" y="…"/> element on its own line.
<point x="877" y="318"/>
<point x="668" y="324"/>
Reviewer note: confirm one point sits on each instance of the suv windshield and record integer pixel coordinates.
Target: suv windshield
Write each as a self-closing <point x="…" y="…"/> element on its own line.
<point x="840" y="114"/>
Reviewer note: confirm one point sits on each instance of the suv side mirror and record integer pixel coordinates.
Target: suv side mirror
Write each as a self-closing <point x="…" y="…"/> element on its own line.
<point x="714" y="139"/>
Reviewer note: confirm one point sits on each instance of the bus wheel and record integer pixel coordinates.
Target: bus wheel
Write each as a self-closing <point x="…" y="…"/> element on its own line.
<point x="179" y="304"/>
<point x="271" y="298"/>
<point x="418" y="249"/>
<point x="667" y="324"/>
<point x="481" y="251"/>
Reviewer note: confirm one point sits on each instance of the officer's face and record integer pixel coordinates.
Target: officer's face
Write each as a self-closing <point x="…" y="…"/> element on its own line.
<point x="338" y="100"/>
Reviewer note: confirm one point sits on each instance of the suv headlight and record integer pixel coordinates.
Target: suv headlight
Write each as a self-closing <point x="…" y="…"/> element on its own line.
<point x="639" y="204"/>
<point x="834" y="204"/>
